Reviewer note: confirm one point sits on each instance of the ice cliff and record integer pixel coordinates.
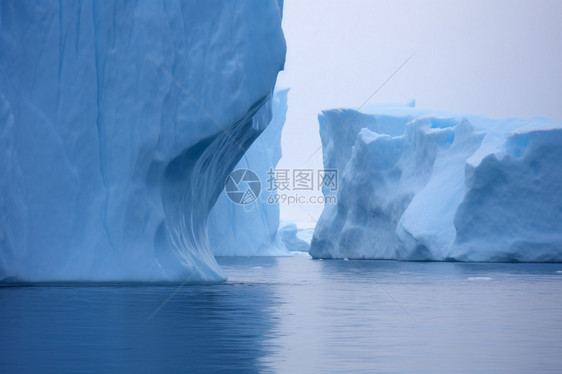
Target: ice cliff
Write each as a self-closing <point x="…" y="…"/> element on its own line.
<point x="251" y="229"/>
<point x="427" y="185"/>
<point x="119" y="122"/>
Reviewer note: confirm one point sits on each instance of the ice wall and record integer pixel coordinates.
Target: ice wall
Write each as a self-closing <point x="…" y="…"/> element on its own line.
<point x="251" y="229"/>
<point x="119" y="122"/>
<point x="427" y="185"/>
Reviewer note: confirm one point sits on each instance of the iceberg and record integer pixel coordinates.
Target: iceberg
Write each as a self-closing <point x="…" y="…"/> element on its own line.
<point x="296" y="239"/>
<point x="119" y="122"/>
<point x="252" y="229"/>
<point x="428" y="185"/>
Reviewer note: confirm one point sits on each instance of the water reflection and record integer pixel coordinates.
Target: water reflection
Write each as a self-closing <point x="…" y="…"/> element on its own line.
<point x="201" y="329"/>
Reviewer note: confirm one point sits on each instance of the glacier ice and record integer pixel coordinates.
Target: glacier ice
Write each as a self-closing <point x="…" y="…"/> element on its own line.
<point x="119" y="122"/>
<point x="289" y="233"/>
<point x="251" y="230"/>
<point x="428" y="185"/>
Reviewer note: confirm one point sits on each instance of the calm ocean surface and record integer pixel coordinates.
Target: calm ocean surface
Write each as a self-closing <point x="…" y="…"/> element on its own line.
<point x="296" y="315"/>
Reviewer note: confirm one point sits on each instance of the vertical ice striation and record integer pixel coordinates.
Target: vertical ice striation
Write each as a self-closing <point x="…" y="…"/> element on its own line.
<point x="118" y="123"/>
<point x="251" y="230"/>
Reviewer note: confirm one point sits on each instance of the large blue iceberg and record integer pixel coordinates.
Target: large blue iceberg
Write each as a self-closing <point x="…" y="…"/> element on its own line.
<point x="428" y="185"/>
<point x="119" y="122"/>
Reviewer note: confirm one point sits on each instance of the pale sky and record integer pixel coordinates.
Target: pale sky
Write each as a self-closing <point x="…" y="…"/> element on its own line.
<point x="493" y="58"/>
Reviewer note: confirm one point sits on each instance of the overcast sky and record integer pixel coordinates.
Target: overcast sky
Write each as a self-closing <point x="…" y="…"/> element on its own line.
<point x="494" y="58"/>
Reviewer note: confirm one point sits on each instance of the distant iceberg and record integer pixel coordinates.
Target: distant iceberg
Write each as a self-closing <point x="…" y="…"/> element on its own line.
<point x="119" y="122"/>
<point x="292" y="237"/>
<point x="427" y="185"/>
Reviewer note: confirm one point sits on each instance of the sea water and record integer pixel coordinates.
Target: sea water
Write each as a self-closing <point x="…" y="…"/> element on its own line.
<point x="296" y="315"/>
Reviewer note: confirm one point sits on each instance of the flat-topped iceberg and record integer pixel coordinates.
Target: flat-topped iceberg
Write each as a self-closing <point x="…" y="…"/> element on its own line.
<point x="428" y="185"/>
<point x="119" y="122"/>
